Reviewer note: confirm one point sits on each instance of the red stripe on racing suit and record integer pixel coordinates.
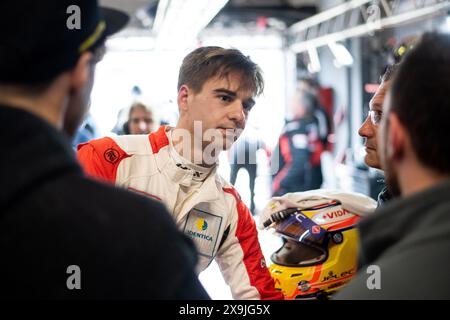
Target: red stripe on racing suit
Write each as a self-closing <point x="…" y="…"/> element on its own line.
<point x="253" y="258"/>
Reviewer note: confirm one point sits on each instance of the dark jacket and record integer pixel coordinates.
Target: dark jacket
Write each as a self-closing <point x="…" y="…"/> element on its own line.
<point x="52" y="217"/>
<point x="409" y="240"/>
<point x="296" y="156"/>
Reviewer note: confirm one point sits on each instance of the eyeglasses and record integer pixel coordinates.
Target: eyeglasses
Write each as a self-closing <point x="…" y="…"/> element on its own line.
<point x="375" y="116"/>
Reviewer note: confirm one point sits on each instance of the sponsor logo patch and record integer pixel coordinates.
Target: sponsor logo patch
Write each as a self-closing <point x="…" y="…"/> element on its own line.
<point x="203" y="228"/>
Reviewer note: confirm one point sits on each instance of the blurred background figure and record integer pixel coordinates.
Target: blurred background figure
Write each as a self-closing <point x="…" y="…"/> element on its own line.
<point x="141" y="119"/>
<point x="243" y="155"/>
<point x="299" y="147"/>
<point x="311" y="85"/>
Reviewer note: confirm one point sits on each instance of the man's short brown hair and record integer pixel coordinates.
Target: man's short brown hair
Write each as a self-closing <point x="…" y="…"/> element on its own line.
<point x="205" y="63"/>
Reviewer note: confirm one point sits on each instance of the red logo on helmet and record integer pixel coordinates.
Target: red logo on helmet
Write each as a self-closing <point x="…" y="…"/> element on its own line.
<point x="335" y="214"/>
<point x="315" y="229"/>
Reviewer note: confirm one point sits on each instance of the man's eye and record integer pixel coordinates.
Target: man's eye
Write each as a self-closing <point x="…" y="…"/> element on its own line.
<point x="378" y="114"/>
<point x="225" y="98"/>
<point x="375" y="116"/>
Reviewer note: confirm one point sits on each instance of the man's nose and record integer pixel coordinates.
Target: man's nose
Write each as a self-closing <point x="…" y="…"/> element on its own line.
<point x="366" y="129"/>
<point x="237" y="111"/>
<point x="142" y="125"/>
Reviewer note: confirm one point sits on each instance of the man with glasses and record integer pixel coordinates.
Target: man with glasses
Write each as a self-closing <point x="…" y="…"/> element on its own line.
<point x="404" y="246"/>
<point x="369" y="128"/>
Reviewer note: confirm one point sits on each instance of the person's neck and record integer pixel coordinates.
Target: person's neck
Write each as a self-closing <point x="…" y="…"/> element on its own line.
<point x="192" y="149"/>
<point x="46" y="106"/>
<point x="422" y="179"/>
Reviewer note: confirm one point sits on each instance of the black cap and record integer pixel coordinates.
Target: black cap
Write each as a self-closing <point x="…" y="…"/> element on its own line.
<point x="41" y="39"/>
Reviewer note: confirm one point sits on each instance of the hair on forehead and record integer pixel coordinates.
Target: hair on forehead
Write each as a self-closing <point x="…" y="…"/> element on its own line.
<point x="206" y="63"/>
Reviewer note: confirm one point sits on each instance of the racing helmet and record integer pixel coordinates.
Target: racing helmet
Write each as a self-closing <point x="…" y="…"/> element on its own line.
<point x="319" y="251"/>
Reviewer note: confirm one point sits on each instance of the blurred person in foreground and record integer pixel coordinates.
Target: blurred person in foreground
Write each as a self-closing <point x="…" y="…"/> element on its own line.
<point x="63" y="236"/>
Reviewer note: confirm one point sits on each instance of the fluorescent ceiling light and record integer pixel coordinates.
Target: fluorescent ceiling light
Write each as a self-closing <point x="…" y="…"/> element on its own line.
<point x="314" y="62"/>
<point x="178" y="22"/>
<point x="341" y="54"/>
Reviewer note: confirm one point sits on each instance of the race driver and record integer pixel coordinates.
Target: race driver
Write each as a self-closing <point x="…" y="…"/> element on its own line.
<point x="178" y="166"/>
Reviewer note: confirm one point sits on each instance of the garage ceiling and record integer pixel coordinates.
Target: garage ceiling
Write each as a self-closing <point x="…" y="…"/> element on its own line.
<point x="234" y="12"/>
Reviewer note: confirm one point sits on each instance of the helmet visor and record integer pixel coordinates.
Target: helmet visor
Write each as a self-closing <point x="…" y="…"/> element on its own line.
<point x="304" y="243"/>
<point x="301" y="228"/>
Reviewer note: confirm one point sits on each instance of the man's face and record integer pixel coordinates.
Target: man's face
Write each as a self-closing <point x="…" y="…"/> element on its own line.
<point x="222" y="108"/>
<point x="369" y="128"/>
<point x="141" y="121"/>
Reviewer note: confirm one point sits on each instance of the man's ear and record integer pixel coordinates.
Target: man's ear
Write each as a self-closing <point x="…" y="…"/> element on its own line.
<point x="397" y="138"/>
<point x="80" y="75"/>
<point x="182" y="99"/>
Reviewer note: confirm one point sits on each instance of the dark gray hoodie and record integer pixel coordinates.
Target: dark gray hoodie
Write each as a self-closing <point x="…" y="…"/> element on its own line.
<point x="408" y="242"/>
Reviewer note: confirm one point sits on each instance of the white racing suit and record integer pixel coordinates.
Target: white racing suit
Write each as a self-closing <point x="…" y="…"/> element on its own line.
<point x="211" y="212"/>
